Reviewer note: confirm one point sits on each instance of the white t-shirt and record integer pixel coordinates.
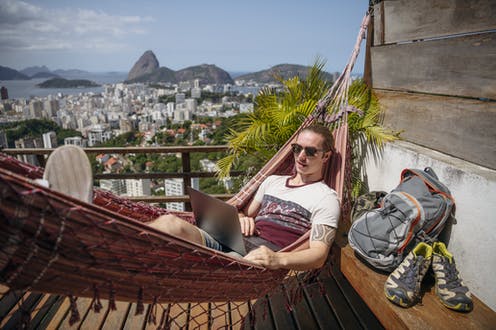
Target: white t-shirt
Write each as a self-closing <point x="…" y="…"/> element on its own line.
<point x="295" y="208"/>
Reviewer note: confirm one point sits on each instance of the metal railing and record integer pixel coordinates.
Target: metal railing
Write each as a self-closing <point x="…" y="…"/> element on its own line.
<point x="186" y="174"/>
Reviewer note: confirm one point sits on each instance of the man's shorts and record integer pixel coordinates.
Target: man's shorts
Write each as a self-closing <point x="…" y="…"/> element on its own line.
<point x="211" y="242"/>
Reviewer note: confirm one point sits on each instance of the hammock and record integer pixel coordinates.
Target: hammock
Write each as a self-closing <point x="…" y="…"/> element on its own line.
<point x="53" y="243"/>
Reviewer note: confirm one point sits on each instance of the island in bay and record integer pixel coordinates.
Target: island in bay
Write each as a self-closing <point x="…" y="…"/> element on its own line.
<point x="66" y="83"/>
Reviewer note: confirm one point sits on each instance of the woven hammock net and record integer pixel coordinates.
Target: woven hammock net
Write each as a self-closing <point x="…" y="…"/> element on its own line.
<point x="53" y="243"/>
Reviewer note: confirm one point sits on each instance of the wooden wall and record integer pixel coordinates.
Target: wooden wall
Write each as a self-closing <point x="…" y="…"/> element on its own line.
<point x="433" y="67"/>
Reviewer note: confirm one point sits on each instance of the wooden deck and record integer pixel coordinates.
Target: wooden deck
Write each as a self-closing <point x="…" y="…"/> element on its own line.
<point x="329" y="303"/>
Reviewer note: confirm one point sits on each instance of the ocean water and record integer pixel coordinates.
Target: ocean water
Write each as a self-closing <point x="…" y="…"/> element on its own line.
<point x="26" y="89"/>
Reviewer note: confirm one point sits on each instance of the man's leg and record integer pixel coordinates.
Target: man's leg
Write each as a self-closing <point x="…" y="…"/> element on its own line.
<point x="176" y="226"/>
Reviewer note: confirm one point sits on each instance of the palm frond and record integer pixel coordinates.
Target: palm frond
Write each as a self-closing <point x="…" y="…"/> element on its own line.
<point x="225" y="165"/>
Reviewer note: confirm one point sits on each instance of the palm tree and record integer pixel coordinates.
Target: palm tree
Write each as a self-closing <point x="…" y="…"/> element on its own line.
<point x="278" y="114"/>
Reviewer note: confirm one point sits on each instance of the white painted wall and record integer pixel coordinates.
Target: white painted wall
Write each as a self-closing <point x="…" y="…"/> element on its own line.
<point x="473" y="238"/>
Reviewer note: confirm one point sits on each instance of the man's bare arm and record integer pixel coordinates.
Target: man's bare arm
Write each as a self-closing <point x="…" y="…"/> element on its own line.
<point x="323" y="233"/>
<point x="321" y="239"/>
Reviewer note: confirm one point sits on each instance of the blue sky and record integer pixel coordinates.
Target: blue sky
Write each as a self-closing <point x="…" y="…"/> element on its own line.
<point x="110" y="35"/>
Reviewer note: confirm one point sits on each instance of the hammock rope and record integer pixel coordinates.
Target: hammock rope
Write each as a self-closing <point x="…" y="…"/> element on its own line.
<point x="53" y="243"/>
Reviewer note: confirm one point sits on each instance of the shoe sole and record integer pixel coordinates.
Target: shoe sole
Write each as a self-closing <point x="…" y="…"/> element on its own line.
<point x="397" y="300"/>
<point x="461" y="307"/>
<point x="68" y="171"/>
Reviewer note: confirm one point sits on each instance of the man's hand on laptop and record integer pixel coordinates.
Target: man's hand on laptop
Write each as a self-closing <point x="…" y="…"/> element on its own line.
<point x="247" y="225"/>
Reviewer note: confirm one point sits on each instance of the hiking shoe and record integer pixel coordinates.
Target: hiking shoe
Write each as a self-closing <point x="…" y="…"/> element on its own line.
<point x="449" y="286"/>
<point x="68" y="171"/>
<point x="402" y="287"/>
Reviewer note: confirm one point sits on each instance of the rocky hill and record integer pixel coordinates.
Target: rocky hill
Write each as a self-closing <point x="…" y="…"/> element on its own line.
<point x="147" y="69"/>
<point x="146" y="64"/>
<point x="11" y="74"/>
<point x="34" y="70"/>
<point x="206" y="73"/>
<point x="285" y="71"/>
<point x="161" y="74"/>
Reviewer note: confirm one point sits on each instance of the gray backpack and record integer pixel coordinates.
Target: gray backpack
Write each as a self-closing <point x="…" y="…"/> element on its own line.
<point x="416" y="210"/>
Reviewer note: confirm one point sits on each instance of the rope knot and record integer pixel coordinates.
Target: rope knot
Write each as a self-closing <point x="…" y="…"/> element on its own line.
<point x="96" y="304"/>
<point x="112" y="298"/>
<point x="75" y="317"/>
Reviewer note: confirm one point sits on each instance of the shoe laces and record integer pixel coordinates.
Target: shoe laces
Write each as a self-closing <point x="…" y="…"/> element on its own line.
<point x="409" y="277"/>
<point x="451" y="273"/>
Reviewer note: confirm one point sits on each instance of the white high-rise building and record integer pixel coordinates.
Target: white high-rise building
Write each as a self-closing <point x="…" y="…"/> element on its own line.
<point x="116" y="186"/>
<point x="175" y="187"/>
<point x="35" y="109"/>
<point x="75" y="140"/>
<point x="191" y="105"/>
<point x="180" y="97"/>
<point x="138" y="187"/>
<point x="170" y="109"/>
<point x="51" y="108"/>
<point x="49" y="140"/>
<point x="98" y="134"/>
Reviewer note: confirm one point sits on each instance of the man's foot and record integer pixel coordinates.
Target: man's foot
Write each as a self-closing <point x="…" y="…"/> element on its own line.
<point x="68" y="171"/>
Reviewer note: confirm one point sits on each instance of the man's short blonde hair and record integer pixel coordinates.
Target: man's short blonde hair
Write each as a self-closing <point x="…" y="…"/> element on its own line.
<point x="328" y="143"/>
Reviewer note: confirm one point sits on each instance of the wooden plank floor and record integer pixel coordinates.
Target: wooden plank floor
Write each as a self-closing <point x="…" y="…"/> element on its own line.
<point x="329" y="303"/>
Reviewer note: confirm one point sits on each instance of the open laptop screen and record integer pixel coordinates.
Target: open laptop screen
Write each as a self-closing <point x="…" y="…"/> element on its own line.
<point x="217" y="218"/>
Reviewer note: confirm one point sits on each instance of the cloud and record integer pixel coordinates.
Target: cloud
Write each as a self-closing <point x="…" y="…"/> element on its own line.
<point x="27" y="27"/>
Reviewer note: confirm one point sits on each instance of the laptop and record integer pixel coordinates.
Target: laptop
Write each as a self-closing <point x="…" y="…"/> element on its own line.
<point x="217" y="218"/>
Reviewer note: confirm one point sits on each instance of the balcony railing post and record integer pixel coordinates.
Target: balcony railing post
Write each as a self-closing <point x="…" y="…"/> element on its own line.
<point x="186" y="162"/>
<point x="41" y="160"/>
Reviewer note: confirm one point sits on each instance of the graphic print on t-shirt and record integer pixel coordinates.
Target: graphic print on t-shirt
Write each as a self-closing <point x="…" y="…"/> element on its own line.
<point x="284" y="213"/>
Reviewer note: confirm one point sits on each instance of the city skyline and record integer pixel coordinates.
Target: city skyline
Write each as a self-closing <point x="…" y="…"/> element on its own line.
<point x="111" y="35"/>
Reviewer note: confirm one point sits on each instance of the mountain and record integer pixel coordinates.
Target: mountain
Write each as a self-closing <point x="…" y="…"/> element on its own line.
<point x="33" y="70"/>
<point x="161" y="74"/>
<point x="72" y="73"/>
<point x="146" y="64"/>
<point x="285" y="71"/>
<point x="64" y="83"/>
<point x="206" y="73"/>
<point x="44" y="75"/>
<point x="11" y="74"/>
<point x="147" y="69"/>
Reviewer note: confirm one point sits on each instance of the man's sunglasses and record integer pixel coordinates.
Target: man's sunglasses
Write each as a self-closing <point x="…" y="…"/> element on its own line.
<point x="309" y="151"/>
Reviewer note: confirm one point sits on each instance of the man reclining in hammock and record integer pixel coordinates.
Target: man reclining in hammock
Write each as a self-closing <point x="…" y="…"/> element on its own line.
<point x="283" y="209"/>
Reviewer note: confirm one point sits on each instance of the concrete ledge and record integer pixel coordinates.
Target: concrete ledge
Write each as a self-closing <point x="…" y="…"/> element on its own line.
<point x="474" y="188"/>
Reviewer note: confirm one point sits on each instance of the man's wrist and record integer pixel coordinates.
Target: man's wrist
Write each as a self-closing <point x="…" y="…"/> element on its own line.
<point x="281" y="259"/>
